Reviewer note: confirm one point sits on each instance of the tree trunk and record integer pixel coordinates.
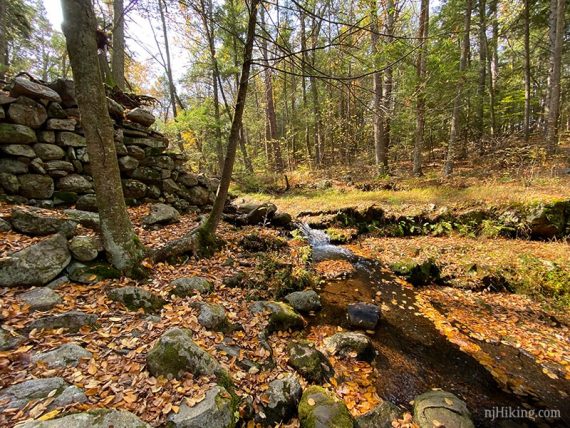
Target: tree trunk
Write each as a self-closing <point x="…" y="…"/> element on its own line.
<point x="388" y="83"/>
<point x="458" y="101"/>
<point x="118" y="57"/>
<point x="3" y="40"/>
<point x="202" y="239"/>
<point x="123" y="248"/>
<point x="421" y="87"/>
<point x="171" y="87"/>
<point x="527" y="75"/>
<point x="553" y="106"/>
<point x="304" y="61"/>
<point x="482" y="74"/>
<point x="493" y="64"/>
<point x="379" y="136"/>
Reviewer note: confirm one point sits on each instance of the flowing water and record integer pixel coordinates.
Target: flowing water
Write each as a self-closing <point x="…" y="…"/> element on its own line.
<point x="413" y="357"/>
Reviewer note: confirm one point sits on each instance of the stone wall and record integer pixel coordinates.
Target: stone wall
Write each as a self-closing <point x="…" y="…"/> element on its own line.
<point x="44" y="161"/>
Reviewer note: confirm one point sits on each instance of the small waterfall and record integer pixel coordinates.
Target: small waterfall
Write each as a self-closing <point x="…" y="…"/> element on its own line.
<point x="322" y="248"/>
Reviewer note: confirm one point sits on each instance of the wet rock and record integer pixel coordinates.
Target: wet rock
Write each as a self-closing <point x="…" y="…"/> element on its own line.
<point x="441" y="406"/>
<point x="22" y="86"/>
<point x="21" y="150"/>
<point x="363" y="315"/>
<point x="216" y="410"/>
<point x="87" y="203"/>
<point x="212" y="316"/>
<point x="9" y="340"/>
<point x="16" y="134"/>
<point x="34" y="222"/>
<point x="75" y="183"/>
<point x="283" y="396"/>
<point x="281" y="316"/>
<point x="135" y="298"/>
<point x="84" y="218"/>
<point x="91" y="272"/>
<point x="380" y="416"/>
<point x="282" y="219"/>
<point x="27" y="112"/>
<point x="320" y="408"/>
<point x="9" y="182"/>
<point x="71" y="321"/>
<point x="175" y="353"/>
<point x="350" y="344"/>
<point x="128" y="163"/>
<point x="418" y="273"/>
<point x="188" y="286"/>
<point x="41" y="299"/>
<point x="37" y="264"/>
<point x="36" y="186"/>
<point x="66" y="355"/>
<point x="304" y="301"/>
<point x="311" y="363"/>
<point x="47" y="152"/>
<point x="134" y="189"/>
<point x="19" y="395"/>
<point x="62" y="125"/>
<point x="161" y="214"/>
<point x="85" y="248"/>
<point x="98" y="418"/>
<point x="13" y="166"/>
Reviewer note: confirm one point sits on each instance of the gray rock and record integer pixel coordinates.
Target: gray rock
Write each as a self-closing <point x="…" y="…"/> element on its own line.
<point x="116" y="110"/>
<point x="16" y="134"/>
<point x="84" y="218"/>
<point x="142" y="116"/>
<point x="70" y="139"/>
<point x="348" y="343"/>
<point x="170" y="186"/>
<point x="64" y="198"/>
<point x="304" y="301"/>
<point x="56" y="110"/>
<point x="175" y="353"/>
<point x="81" y="154"/>
<point x="150" y="174"/>
<point x="87" y="203"/>
<point x="255" y="213"/>
<point x="74" y="183"/>
<point x="41" y="299"/>
<point x="161" y="162"/>
<point x="136" y="152"/>
<point x="19" y="395"/>
<point x="9" y="340"/>
<point x="72" y="321"/>
<point x="27" y="112"/>
<point x="161" y="214"/>
<point x="320" y="408"/>
<point x="441" y="406"/>
<point x="66" y="355"/>
<point x="48" y="152"/>
<point x="309" y="362"/>
<point x="135" y="298"/>
<point x="128" y="163"/>
<point x="212" y="316"/>
<point x="91" y="272"/>
<point x="13" y="166"/>
<point x="61" y="125"/>
<point x="146" y="142"/>
<point x="216" y="410"/>
<point x="5" y="226"/>
<point x="46" y="137"/>
<point x="418" y="273"/>
<point x="120" y="147"/>
<point x="22" y="150"/>
<point x="9" y="182"/>
<point x="198" y="195"/>
<point x="36" y="186"/>
<point x="188" y="179"/>
<point x="281" y="315"/>
<point x="32" y="221"/>
<point x="37" y="264"/>
<point x="380" y="416"/>
<point x="153" y="191"/>
<point x="363" y="315"/>
<point x="85" y="248"/>
<point x="98" y="418"/>
<point x="189" y="286"/>
<point x="283" y="396"/>
<point x="58" y="282"/>
<point x="23" y="86"/>
<point x="282" y="219"/>
<point x="65" y="88"/>
<point x="59" y="165"/>
<point x="134" y="189"/>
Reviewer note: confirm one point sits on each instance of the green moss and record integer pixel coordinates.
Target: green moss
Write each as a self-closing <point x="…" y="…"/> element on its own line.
<point x="331" y="413"/>
<point x="284" y="318"/>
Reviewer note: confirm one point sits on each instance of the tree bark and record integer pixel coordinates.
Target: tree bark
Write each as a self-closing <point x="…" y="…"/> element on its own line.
<point x="527" y="75"/>
<point x="493" y="64"/>
<point x="421" y="87"/>
<point x="118" y="56"/>
<point x="171" y="87"/>
<point x="123" y="248"/>
<point x="482" y="74"/>
<point x="3" y="40"/>
<point x="379" y="136"/>
<point x="458" y="101"/>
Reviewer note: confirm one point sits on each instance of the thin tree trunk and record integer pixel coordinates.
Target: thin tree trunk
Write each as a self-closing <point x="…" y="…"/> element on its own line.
<point x="527" y="75"/>
<point x="458" y="101"/>
<point x="553" y="111"/>
<point x="123" y="248"/>
<point x="421" y="87"/>
<point x="493" y="64"/>
<point x="3" y="40"/>
<point x="304" y="61"/>
<point x="388" y="83"/>
<point x="315" y="96"/>
<point x="171" y="87"/>
<point x="118" y="56"/>
<point x="379" y="137"/>
<point x="482" y="74"/>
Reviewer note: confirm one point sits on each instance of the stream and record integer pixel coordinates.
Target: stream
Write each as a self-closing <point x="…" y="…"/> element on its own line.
<point x="413" y="356"/>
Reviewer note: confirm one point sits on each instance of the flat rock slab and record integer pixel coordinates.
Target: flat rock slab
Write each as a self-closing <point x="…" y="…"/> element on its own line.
<point x="216" y="410"/>
<point x="304" y="301"/>
<point x="188" y="286"/>
<point x="99" y="418"/>
<point x="17" y="396"/>
<point x="23" y="86"/>
<point x="135" y="298"/>
<point x="9" y="340"/>
<point x="41" y="299"/>
<point x="350" y="344"/>
<point x="442" y="407"/>
<point x="69" y="354"/>
<point x="34" y="222"/>
<point x="72" y="321"/>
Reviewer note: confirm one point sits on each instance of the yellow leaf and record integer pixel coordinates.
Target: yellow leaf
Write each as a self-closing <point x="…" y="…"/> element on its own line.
<point x="448" y="401"/>
<point x="311" y="402"/>
<point x="437" y="424"/>
<point x="49" y="415"/>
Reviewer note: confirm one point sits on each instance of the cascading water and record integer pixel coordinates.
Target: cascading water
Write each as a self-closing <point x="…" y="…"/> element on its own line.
<point x="320" y="242"/>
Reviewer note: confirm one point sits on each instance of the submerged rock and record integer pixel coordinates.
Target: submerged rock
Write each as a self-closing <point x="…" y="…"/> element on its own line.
<point x="216" y="410"/>
<point x="320" y="408"/>
<point x="441" y="406"/>
<point x="363" y="315"/>
<point x="311" y="363"/>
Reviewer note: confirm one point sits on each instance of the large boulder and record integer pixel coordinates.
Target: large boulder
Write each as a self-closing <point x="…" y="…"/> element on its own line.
<point x="98" y="418"/>
<point x="19" y="395"/>
<point x="320" y="408"/>
<point x="22" y="86"/>
<point x="380" y="416"/>
<point x="36" y="186"/>
<point x="31" y="221"/>
<point x="161" y="214"/>
<point x="37" y="264"/>
<point x="135" y="298"/>
<point x="216" y="410"/>
<point x="252" y="213"/>
<point x="27" y="112"/>
<point x="71" y="321"/>
<point x="16" y="134"/>
<point x="441" y="408"/>
<point x="549" y="221"/>
<point x="85" y="248"/>
<point x="188" y="286"/>
<point x="311" y="363"/>
<point x="175" y="353"/>
<point x="363" y="315"/>
<point x="304" y="301"/>
<point x="66" y="355"/>
<point x="281" y="315"/>
<point x="280" y="402"/>
<point x="41" y="298"/>
<point x="350" y="344"/>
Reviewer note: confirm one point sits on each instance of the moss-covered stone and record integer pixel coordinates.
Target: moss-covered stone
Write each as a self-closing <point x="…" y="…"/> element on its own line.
<point x="135" y="298"/>
<point x="281" y="316"/>
<point x="320" y="408"/>
<point x="188" y="286"/>
<point x="443" y="407"/>
<point x="311" y="363"/>
<point x="418" y="273"/>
